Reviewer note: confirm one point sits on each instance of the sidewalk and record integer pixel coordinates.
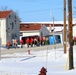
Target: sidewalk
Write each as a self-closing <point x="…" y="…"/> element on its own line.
<point x="13" y="50"/>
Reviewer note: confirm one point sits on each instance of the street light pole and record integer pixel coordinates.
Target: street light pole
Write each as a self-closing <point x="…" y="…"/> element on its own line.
<point x="70" y="35"/>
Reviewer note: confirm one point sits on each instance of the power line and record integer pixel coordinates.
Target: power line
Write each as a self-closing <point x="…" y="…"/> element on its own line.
<point x="44" y="2"/>
<point x="41" y="10"/>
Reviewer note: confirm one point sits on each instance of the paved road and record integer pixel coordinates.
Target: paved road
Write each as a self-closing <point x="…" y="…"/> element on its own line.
<point x="9" y="51"/>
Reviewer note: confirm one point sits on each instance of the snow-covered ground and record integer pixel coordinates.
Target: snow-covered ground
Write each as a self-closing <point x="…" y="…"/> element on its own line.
<point x="54" y="60"/>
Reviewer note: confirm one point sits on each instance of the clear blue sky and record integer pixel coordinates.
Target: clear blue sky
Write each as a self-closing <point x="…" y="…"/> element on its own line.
<point x="37" y="10"/>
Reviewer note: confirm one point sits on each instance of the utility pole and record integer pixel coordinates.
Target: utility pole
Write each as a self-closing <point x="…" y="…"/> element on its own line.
<point x="54" y="37"/>
<point x="64" y="26"/>
<point x="70" y="34"/>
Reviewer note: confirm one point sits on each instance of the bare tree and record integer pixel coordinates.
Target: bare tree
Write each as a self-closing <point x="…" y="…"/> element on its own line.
<point x="4" y="8"/>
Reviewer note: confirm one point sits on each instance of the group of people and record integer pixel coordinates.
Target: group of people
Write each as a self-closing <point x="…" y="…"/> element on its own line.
<point x="36" y="41"/>
<point x="31" y="42"/>
<point x="15" y="43"/>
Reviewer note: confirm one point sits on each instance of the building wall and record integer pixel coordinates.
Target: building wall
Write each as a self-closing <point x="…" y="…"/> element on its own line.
<point x="10" y="28"/>
<point x="31" y="34"/>
<point x="74" y="31"/>
<point x="44" y="31"/>
<point x="3" y="31"/>
<point x="13" y="27"/>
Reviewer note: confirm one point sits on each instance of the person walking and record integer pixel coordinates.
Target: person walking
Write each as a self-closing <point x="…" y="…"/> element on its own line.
<point x="38" y="41"/>
<point x="41" y="41"/>
<point x="15" y="43"/>
<point x="31" y="41"/>
<point x="21" y="43"/>
<point x="27" y="42"/>
<point x="8" y="44"/>
<point x="35" y="41"/>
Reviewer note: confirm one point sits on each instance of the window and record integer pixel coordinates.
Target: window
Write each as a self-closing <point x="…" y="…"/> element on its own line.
<point x="20" y="33"/>
<point x="13" y="36"/>
<point x="9" y="16"/>
<point x="12" y="25"/>
<point x="15" y="21"/>
<point x="15" y="16"/>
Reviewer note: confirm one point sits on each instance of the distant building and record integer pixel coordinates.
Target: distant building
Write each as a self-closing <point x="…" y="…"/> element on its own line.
<point x="32" y="30"/>
<point x="28" y="29"/>
<point x="9" y="26"/>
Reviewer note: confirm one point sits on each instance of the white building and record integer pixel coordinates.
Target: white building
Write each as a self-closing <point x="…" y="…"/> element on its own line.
<point x="32" y="30"/>
<point x="9" y="26"/>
